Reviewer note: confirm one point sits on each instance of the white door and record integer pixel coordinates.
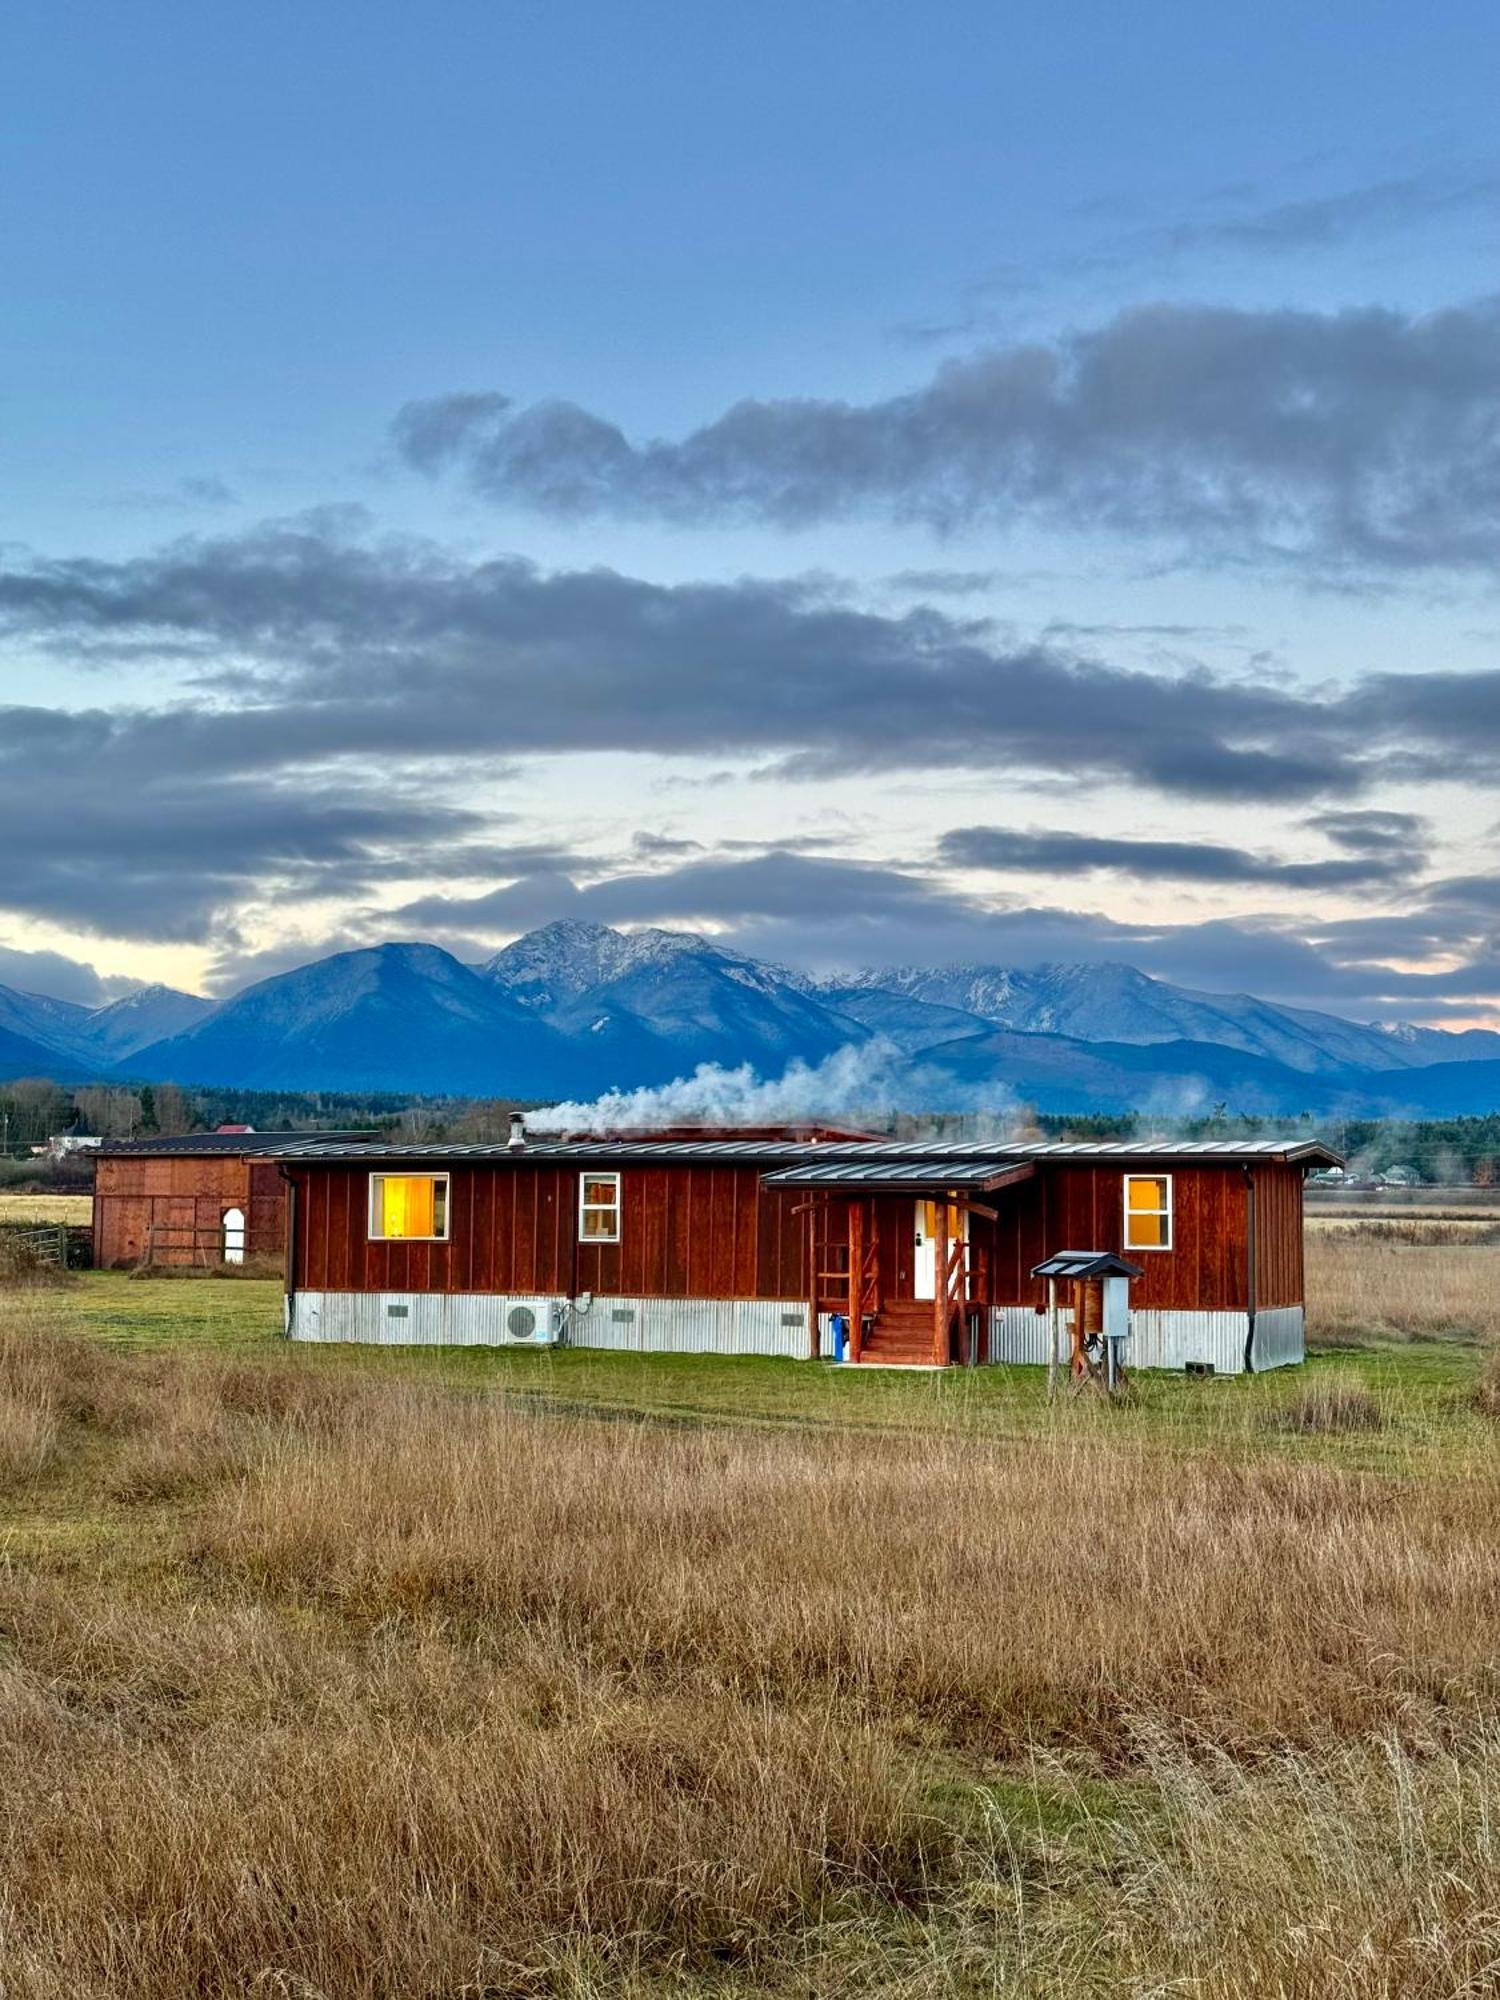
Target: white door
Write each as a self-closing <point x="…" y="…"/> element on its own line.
<point x="924" y="1260"/>
<point x="234" y="1235"/>
<point x="924" y="1248"/>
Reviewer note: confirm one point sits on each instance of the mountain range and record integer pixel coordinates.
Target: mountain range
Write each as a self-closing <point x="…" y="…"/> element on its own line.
<point x="574" y="1009"/>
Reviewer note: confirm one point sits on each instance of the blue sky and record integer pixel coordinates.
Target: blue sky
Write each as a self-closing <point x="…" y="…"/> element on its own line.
<point x="1122" y="374"/>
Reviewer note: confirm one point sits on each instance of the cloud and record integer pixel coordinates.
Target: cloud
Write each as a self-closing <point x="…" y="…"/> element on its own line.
<point x="1363" y="441"/>
<point x="63" y="978"/>
<point x="766" y="887"/>
<point x="148" y="841"/>
<point x="194" y="495"/>
<point x="356" y="694"/>
<point x="1240" y="226"/>
<point x="315" y="645"/>
<point x="835" y="914"/>
<point x="1397" y="835"/>
<point x="1375" y="862"/>
<point x="1319" y="222"/>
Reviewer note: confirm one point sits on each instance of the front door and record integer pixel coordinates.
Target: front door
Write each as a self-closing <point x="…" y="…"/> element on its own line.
<point x="924" y="1248"/>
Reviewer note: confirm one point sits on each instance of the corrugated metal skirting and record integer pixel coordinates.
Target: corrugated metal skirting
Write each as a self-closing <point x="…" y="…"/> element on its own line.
<point x="478" y="1319"/>
<point x="1018" y="1334"/>
<point x="1280" y="1337"/>
<point x="694" y="1326"/>
<point x="1164" y="1339"/>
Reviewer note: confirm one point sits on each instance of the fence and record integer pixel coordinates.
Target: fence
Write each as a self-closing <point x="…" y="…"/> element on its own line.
<point x="185" y="1244"/>
<point x="63" y="1244"/>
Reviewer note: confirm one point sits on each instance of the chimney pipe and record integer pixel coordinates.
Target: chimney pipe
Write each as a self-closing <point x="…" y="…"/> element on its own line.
<point x="516" y="1143"/>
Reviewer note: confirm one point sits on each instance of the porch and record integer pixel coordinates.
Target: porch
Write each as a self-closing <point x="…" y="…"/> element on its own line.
<point x="903" y="1252"/>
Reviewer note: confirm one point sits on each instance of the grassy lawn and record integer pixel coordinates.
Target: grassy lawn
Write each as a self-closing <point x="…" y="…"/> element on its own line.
<point x="1422" y="1387"/>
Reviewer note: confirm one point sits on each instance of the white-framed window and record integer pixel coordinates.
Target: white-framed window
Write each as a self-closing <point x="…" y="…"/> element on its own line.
<point x="408" y="1208"/>
<point x="1148" y="1211"/>
<point x="599" y="1208"/>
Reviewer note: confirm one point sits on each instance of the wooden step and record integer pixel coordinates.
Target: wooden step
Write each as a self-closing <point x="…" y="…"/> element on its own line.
<point x="902" y="1335"/>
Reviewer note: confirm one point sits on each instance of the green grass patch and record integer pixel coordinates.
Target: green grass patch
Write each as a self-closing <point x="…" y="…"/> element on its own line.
<point x="1424" y="1389"/>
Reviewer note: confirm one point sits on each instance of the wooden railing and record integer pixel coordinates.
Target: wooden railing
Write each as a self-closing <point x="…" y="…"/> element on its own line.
<point x="183" y="1243"/>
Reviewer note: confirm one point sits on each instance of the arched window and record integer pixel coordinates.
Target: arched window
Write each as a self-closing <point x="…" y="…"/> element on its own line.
<point x="233" y="1231"/>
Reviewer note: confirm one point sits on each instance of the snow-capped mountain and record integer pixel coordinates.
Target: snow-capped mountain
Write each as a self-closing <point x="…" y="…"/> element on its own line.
<point x="1115" y="1003"/>
<point x="574" y="1009"/>
<point x="136" y="1020"/>
<point x="656" y="1003"/>
<point x="551" y="967"/>
<point x="90" y="1039"/>
<point x="393" y="1017"/>
<point x="57" y="1027"/>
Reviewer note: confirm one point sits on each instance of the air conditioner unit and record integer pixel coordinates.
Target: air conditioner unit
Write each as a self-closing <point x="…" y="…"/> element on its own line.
<point x="532" y="1322"/>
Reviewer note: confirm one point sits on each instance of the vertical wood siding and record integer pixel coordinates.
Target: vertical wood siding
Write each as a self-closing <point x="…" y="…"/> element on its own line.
<point x="714" y="1232"/>
<point x="185" y="1196"/>
<point x="703" y="1232"/>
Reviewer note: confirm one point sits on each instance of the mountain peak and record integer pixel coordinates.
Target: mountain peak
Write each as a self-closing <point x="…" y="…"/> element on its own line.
<point x="549" y="967"/>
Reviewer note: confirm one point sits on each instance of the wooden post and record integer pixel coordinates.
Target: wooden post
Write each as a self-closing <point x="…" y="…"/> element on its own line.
<point x="1078" y="1365"/>
<point x="940" y="1283"/>
<point x="1052" y="1340"/>
<point x="810" y="1267"/>
<point x="856" y="1277"/>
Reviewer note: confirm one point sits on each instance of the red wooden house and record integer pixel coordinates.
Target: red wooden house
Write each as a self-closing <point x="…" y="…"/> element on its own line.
<point x="735" y="1245"/>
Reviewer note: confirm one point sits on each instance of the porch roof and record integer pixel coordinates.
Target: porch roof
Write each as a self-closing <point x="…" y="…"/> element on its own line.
<point x="910" y="1176"/>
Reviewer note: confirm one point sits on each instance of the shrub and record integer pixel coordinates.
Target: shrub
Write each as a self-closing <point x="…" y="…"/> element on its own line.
<point x="1336" y="1405"/>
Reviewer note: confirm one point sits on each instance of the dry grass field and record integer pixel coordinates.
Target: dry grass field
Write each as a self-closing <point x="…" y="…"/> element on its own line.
<point x="378" y="1674"/>
<point x="1403" y="1279"/>
<point x="43" y="1208"/>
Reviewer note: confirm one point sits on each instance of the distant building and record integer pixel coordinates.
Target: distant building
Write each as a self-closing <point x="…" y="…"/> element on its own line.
<point x="62" y="1145"/>
<point x="202" y="1199"/>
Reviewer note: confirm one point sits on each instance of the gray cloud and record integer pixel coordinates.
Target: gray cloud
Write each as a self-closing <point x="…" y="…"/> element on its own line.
<point x="1061" y="852"/>
<point x="1242" y="224"/>
<point x="832" y="914"/>
<point x="155" y="834"/>
<point x="1321" y="221"/>
<point x="1364" y="441"/>
<point x="317" y="647"/>
<point x="64" y="978"/>
<point x="771" y="886"/>
<point x="352" y="688"/>
<point x="1398" y="836"/>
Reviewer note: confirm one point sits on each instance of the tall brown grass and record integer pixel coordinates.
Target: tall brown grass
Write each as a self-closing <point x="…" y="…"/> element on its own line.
<point x="1359" y="1284"/>
<point x="320" y="1683"/>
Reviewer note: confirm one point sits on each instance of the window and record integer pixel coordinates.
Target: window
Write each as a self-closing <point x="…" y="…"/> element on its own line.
<point x="599" y="1208"/>
<point x="1148" y="1211"/>
<point x="409" y="1207"/>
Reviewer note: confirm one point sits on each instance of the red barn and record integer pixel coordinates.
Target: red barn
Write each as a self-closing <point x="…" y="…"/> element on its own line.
<point x="751" y="1246"/>
<point x="200" y="1199"/>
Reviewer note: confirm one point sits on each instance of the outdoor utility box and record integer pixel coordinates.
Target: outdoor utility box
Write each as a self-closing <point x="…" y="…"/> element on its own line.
<point x="1116" y="1308"/>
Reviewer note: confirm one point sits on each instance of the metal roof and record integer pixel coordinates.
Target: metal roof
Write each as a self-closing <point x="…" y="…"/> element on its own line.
<point x="233" y="1145"/>
<point x="790" y="1153"/>
<point x="919" y="1174"/>
<point x="1085" y="1264"/>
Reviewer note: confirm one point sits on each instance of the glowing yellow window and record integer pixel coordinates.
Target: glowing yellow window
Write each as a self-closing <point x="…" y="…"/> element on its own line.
<point x="599" y="1208"/>
<point x="407" y="1206"/>
<point x="1148" y="1211"/>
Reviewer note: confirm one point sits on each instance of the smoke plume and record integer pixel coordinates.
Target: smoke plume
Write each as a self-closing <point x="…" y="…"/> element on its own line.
<point x="862" y="1084"/>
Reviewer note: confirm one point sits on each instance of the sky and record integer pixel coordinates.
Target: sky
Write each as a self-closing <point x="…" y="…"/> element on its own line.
<point x="876" y="484"/>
